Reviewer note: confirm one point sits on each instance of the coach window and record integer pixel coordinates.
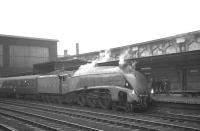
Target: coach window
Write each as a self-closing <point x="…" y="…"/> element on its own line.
<point x="64" y="78"/>
<point x="25" y="83"/>
<point x="28" y="83"/>
<point x="31" y="83"/>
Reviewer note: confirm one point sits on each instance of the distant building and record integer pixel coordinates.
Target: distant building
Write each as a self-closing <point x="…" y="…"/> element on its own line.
<point x="19" y="54"/>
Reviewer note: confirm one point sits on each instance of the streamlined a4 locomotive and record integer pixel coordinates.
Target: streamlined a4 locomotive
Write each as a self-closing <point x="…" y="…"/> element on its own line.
<point x="104" y="87"/>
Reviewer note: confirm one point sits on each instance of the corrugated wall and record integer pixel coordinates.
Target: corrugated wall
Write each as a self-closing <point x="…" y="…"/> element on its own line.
<point x="26" y="56"/>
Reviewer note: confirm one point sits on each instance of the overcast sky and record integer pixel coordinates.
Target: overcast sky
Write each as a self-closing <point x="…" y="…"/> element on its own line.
<point x="98" y="24"/>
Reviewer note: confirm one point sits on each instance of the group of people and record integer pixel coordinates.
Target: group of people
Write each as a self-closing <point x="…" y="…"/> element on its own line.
<point x="160" y="86"/>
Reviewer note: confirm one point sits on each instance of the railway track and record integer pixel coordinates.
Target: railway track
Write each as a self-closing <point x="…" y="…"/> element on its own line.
<point x="41" y="121"/>
<point x="5" y="127"/>
<point x="131" y="121"/>
<point x="173" y="108"/>
<point x="182" y="106"/>
<point x="56" y="120"/>
<point x="45" y="123"/>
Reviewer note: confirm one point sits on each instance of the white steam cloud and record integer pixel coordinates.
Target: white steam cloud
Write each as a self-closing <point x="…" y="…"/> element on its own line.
<point x="128" y="67"/>
<point x="124" y="56"/>
<point x="105" y="57"/>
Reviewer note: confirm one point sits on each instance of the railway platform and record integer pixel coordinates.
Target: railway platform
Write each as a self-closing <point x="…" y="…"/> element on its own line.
<point x="172" y="98"/>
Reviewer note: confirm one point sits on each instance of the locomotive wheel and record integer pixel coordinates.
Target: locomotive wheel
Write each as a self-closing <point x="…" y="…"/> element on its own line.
<point x="129" y="107"/>
<point x="114" y="106"/>
<point x="47" y="99"/>
<point x="42" y="98"/>
<point x="58" y="100"/>
<point x="68" y="99"/>
<point x="144" y="103"/>
<point x="91" y="101"/>
<point x="105" y="102"/>
<point x="81" y="100"/>
<point x="54" y="99"/>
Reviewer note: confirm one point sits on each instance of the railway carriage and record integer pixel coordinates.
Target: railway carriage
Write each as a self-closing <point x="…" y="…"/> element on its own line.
<point x="26" y="86"/>
<point x="22" y="85"/>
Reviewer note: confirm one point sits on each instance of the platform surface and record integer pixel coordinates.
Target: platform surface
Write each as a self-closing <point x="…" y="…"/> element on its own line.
<point x="175" y="99"/>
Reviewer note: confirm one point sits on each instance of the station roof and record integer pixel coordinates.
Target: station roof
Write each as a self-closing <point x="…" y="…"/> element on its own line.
<point x="160" y="40"/>
<point x="183" y="60"/>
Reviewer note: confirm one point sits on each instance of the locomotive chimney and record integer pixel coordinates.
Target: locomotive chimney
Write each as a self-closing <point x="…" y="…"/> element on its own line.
<point x="77" y="48"/>
<point x="65" y="53"/>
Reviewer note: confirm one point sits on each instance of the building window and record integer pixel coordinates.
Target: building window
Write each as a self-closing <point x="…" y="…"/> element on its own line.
<point x="144" y="51"/>
<point x="157" y="50"/>
<point x="26" y="56"/>
<point x="170" y="48"/>
<point x="194" y="46"/>
<point x="134" y="52"/>
<point x="1" y="55"/>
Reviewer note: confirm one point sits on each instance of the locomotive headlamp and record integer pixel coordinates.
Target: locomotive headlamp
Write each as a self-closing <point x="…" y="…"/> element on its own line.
<point x="133" y="92"/>
<point x="152" y="91"/>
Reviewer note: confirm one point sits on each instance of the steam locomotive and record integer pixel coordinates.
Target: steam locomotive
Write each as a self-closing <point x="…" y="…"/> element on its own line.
<point x="104" y="87"/>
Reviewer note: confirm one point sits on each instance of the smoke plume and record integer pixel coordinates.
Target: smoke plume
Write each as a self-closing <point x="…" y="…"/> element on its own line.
<point x="103" y="57"/>
<point x="123" y="64"/>
<point x="124" y="56"/>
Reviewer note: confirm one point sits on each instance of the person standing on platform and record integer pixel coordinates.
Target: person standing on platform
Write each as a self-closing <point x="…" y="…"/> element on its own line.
<point x="167" y="87"/>
<point x="158" y="86"/>
<point x="162" y="86"/>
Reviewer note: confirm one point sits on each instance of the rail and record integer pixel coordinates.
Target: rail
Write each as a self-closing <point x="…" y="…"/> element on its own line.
<point x="131" y="122"/>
